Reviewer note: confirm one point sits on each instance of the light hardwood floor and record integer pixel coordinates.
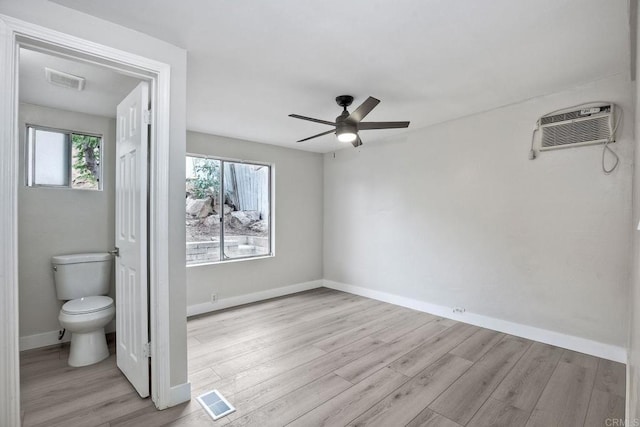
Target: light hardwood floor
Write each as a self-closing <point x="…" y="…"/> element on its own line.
<point x="327" y="358"/>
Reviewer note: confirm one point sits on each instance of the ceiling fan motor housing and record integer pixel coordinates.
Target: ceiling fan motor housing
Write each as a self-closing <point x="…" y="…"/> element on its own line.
<point x="342" y="124"/>
<point x="345" y="126"/>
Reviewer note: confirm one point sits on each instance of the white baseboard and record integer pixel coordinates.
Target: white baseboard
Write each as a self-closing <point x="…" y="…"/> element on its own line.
<point x="223" y="303"/>
<point x="582" y="345"/>
<point x="46" y="339"/>
<point x="179" y="394"/>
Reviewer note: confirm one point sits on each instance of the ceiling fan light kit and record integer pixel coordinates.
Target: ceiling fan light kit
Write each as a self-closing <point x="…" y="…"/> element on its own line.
<point x="346" y="136"/>
<point x="348" y="124"/>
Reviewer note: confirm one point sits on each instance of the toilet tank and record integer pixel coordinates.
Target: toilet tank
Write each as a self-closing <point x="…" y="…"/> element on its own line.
<point x="81" y="275"/>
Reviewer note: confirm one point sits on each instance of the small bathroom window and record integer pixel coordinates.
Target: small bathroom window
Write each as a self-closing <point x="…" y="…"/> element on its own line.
<point x="60" y="158"/>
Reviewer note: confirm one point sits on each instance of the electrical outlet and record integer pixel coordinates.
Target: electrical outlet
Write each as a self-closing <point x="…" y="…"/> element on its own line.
<point x="458" y="309"/>
<point x="214" y="298"/>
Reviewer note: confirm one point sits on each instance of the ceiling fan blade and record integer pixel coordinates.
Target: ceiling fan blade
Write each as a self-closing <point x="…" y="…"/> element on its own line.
<point x="364" y="109"/>
<point x="357" y="142"/>
<point x="382" y="125"/>
<point x="320" y="134"/>
<point x="311" y="119"/>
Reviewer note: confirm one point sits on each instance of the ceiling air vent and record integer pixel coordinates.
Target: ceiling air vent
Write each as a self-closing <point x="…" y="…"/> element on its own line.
<point x="592" y="125"/>
<point x="67" y="80"/>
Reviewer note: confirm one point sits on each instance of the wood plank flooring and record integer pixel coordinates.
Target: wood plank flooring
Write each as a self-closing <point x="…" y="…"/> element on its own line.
<point x="327" y="358"/>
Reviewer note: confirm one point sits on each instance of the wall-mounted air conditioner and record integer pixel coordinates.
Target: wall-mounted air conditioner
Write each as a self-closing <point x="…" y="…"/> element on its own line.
<point x="586" y="126"/>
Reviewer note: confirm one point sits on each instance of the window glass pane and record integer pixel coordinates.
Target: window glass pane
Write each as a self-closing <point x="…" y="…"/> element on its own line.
<point x="30" y="154"/>
<point x="203" y="210"/>
<point x="63" y="159"/>
<point x="86" y="155"/>
<point x="50" y="158"/>
<point x="246" y="226"/>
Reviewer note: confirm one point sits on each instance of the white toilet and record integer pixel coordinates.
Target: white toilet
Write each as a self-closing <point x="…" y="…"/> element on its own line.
<point x="83" y="281"/>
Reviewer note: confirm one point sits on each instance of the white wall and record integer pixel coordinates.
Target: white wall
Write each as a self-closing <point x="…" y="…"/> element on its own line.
<point x="298" y="223"/>
<point x="53" y="221"/>
<point x="69" y="21"/>
<point x="456" y="215"/>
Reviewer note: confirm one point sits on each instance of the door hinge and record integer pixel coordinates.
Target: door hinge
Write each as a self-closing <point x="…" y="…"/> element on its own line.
<point x="146" y="117"/>
<point x="146" y="350"/>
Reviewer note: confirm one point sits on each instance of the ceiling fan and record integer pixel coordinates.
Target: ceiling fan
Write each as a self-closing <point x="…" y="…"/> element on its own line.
<point x="348" y="124"/>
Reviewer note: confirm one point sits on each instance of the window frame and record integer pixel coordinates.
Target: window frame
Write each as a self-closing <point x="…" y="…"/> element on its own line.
<point x="271" y="186"/>
<point x="29" y="161"/>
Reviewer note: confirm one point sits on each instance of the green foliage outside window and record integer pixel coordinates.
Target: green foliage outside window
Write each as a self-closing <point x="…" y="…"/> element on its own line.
<point x="86" y="158"/>
<point x="207" y="178"/>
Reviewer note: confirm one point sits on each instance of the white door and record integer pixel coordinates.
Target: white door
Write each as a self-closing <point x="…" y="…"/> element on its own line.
<point x="132" y="333"/>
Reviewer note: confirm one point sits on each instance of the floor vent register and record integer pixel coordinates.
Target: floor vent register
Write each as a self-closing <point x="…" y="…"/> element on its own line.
<point x="215" y="404"/>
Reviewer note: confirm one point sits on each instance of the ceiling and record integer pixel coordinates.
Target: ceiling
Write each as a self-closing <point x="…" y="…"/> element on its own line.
<point x="251" y="63"/>
<point x="104" y="88"/>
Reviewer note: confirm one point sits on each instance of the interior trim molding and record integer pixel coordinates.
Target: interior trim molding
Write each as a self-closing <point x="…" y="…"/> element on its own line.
<point x="630" y="386"/>
<point x="196" y="309"/>
<point x="9" y="354"/>
<point x="571" y="342"/>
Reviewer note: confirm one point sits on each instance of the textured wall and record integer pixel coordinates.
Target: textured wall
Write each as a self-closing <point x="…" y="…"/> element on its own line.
<point x="456" y="215"/>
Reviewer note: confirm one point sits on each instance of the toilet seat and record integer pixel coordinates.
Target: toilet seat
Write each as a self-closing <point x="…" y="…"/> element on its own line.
<point x="87" y="305"/>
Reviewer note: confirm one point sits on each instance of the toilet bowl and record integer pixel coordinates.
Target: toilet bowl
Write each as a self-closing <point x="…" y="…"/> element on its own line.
<point x="85" y="318"/>
<point x="83" y="281"/>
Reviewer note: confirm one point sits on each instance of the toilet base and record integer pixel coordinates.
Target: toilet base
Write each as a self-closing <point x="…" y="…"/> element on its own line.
<point x="88" y="348"/>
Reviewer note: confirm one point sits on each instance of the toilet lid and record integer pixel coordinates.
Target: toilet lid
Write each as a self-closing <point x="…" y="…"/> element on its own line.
<point x="87" y="305"/>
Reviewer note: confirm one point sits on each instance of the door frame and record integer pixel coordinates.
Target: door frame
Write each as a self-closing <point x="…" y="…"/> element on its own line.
<point x="13" y="34"/>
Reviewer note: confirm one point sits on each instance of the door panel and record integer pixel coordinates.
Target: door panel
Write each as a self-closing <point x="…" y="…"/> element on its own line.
<point x="131" y="239"/>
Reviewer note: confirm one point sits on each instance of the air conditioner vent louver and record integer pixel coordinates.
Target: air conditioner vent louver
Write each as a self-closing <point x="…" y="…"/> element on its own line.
<point x="576" y="128"/>
<point x="63" y="79"/>
<point x="594" y="130"/>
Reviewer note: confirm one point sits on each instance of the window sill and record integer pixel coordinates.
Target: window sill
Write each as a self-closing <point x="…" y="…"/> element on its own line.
<point x="228" y="261"/>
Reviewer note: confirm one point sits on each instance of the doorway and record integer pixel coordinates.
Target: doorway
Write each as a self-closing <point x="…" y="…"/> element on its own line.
<point x="67" y="204"/>
<point x="17" y="34"/>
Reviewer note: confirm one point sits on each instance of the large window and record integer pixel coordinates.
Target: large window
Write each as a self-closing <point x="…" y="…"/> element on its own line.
<point x="228" y="210"/>
<point x="58" y="158"/>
